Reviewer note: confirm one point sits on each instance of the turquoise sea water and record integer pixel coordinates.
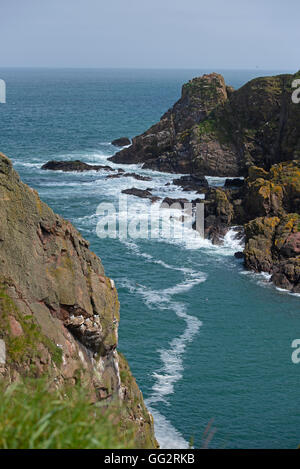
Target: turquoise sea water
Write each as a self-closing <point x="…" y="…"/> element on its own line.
<point x="208" y="343"/>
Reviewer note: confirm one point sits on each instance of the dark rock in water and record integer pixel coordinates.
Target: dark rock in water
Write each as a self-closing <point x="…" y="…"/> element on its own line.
<point x="132" y="175"/>
<point x="239" y="255"/>
<point x="169" y="201"/>
<point x="77" y="165"/>
<point x="137" y="192"/>
<point x="215" y="231"/>
<point x="155" y="198"/>
<point x="218" y="214"/>
<point x="234" y="183"/>
<point x="121" y="142"/>
<point x="191" y="183"/>
<point x="144" y="194"/>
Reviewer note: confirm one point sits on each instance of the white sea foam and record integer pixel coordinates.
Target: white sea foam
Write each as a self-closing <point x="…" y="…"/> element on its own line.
<point x="167" y="436"/>
<point x="26" y="164"/>
<point x="133" y="247"/>
<point x="171" y="370"/>
<point x="283" y="290"/>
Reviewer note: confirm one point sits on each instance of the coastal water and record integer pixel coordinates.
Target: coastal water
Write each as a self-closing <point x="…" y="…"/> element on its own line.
<point x="209" y="344"/>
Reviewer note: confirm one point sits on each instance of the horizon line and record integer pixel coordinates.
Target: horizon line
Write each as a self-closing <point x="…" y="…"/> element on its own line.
<point x="46" y="67"/>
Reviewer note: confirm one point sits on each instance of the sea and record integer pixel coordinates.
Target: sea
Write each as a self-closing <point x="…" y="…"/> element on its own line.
<point x="209" y="343"/>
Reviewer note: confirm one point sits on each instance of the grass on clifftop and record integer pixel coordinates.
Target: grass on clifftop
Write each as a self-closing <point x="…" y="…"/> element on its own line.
<point x="33" y="417"/>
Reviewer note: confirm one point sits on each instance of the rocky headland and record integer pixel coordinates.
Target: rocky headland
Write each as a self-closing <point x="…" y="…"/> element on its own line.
<point x="59" y="313"/>
<point x="214" y="130"/>
<point x="251" y="133"/>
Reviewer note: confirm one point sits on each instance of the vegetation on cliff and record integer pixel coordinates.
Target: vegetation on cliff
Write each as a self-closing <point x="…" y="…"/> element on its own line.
<point x="35" y="415"/>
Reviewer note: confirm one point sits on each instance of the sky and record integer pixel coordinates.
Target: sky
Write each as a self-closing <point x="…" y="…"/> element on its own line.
<point x="231" y="34"/>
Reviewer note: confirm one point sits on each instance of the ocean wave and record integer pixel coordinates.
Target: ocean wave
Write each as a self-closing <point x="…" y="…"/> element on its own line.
<point x="26" y="164"/>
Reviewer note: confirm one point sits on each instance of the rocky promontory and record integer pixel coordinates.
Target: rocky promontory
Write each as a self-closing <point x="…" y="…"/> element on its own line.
<point x="59" y="313"/>
<point x="253" y="133"/>
<point x="214" y="130"/>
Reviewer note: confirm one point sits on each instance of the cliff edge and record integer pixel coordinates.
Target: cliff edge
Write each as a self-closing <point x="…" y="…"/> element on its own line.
<point x="59" y="313"/>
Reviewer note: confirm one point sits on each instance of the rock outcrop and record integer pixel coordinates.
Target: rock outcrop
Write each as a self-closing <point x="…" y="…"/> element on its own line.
<point x="267" y="207"/>
<point x="272" y="202"/>
<point x="216" y="131"/>
<point x="252" y="132"/>
<point x="143" y="194"/>
<point x="59" y="313"/>
<point x="76" y="165"/>
<point x="121" y="142"/>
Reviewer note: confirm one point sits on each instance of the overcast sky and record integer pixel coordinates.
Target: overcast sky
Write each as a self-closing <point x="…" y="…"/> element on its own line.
<point x="249" y="34"/>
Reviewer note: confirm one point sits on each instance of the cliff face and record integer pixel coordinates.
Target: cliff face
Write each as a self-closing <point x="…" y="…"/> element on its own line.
<point x="268" y="207"/>
<point x="59" y="313"/>
<point x="216" y="131"/>
<point x="252" y="132"/>
<point x="273" y="235"/>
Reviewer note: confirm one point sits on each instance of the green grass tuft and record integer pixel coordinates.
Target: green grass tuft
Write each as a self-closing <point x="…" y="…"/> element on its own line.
<point x="34" y="417"/>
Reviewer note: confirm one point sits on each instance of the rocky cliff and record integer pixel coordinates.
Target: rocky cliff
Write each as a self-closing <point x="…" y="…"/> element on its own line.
<point x="216" y="131"/>
<point x="59" y="313"/>
<point x="272" y="203"/>
<point x="254" y="132"/>
<point x="266" y="207"/>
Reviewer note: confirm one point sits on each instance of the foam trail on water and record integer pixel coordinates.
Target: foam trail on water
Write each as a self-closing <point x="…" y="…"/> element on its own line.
<point x="133" y="247"/>
<point x="167" y="436"/>
<point x="171" y="370"/>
